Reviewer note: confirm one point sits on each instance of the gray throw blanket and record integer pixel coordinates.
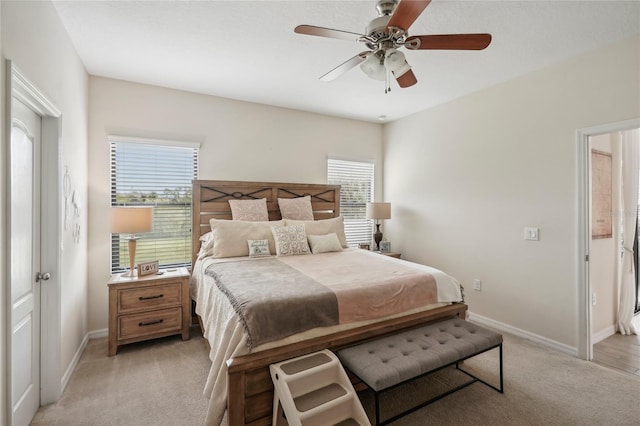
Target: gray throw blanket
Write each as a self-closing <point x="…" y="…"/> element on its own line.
<point x="274" y="300"/>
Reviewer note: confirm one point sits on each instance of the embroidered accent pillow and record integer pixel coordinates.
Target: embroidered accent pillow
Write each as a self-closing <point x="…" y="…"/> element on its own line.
<point x="290" y="240"/>
<point x="258" y="248"/>
<point x="296" y="208"/>
<point x="324" y="243"/>
<point x="249" y="210"/>
<point x="323" y="227"/>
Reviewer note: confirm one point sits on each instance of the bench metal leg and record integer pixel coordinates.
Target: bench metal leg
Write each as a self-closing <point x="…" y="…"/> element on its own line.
<point x="438" y="397"/>
<point x="477" y="379"/>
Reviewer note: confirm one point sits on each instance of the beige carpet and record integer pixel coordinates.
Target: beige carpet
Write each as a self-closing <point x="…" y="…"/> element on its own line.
<point x="160" y="383"/>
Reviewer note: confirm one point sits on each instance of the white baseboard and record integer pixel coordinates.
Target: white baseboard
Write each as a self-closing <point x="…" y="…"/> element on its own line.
<point x="523" y="333"/>
<point x="96" y="334"/>
<point x="603" y="334"/>
<point x="73" y="364"/>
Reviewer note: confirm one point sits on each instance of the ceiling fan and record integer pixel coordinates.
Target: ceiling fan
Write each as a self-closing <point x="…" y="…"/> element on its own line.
<point x="385" y="35"/>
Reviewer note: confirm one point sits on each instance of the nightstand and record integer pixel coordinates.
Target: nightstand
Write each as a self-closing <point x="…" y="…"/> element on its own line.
<point x="391" y="254"/>
<point x="148" y="307"/>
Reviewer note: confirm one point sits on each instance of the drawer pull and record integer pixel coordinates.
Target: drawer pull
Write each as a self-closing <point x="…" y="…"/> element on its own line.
<point x="159" y="296"/>
<point x="142" y="324"/>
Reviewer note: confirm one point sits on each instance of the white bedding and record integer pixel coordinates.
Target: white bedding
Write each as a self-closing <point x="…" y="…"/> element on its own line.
<point x="226" y="335"/>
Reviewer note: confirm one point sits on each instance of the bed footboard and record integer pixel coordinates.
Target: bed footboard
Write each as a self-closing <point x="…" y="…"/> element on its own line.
<point x="250" y="390"/>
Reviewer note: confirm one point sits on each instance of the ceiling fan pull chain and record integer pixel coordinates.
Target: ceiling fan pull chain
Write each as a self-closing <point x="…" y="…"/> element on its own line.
<point x="387" y="88"/>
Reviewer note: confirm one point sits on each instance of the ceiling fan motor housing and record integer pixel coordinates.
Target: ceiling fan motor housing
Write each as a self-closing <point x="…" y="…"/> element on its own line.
<point x="377" y="29"/>
<point x="386" y="7"/>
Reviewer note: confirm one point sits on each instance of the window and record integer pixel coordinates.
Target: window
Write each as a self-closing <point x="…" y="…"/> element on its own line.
<point x="356" y="180"/>
<point x="159" y="174"/>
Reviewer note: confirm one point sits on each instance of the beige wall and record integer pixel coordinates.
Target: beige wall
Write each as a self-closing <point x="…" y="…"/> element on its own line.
<point x="239" y="141"/>
<point x="466" y="177"/>
<point x="34" y="39"/>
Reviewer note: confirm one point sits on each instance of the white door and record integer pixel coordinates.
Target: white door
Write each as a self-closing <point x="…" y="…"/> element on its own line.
<point x="24" y="263"/>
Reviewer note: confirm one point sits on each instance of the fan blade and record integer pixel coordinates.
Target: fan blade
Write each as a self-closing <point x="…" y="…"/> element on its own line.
<point x="327" y="32"/>
<point x="345" y="66"/>
<point x="449" y="41"/>
<point x="406" y="79"/>
<point x="406" y="13"/>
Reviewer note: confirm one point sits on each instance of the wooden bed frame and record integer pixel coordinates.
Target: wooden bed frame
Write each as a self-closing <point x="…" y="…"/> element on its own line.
<point x="250" y="389"/>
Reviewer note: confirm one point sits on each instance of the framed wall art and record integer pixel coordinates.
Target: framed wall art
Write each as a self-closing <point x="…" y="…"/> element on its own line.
<point x="601" y="204"/>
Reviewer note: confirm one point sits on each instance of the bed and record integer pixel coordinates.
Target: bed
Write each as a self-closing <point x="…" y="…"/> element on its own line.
<point x="239" y="377"/>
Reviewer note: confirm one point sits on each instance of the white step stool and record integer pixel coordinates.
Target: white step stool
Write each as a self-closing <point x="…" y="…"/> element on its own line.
<point x="314" y="390"/>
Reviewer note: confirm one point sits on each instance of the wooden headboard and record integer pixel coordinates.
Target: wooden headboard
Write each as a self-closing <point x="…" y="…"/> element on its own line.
<point x="211" y="200"/>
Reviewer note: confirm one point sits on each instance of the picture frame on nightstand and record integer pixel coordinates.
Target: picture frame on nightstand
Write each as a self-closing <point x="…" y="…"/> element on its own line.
<point x="385" y="247"/>
<point x="148" y="268"/>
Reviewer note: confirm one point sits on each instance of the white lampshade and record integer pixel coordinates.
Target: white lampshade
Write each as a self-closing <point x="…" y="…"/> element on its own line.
<point x="394" y="59"/>
<point x="378" y="211"/>
<point x="373" y="67"/>
<point x="401" y="70"/>
<point x="131" y="220"/>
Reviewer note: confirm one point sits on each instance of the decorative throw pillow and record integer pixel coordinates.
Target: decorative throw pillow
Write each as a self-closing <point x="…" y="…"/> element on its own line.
<point x="324" y="243"/>
<point x="296" y="208"/>
<point x="323" y="227"/>
<point x="249" y="210"/>
<point x="258" y="248"/>
<point x="290" y="240"/>
<point x="231" y="236"/>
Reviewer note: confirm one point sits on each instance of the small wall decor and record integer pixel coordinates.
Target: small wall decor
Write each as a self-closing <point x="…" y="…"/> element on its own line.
<point x="66" y="187"/>
<point x="385" y="247"/>
<point x="601" y="195"/>
<point x="147" y="268"/>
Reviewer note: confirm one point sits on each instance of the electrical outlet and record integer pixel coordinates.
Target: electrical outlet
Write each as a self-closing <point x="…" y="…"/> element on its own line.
<point x="593" y="299"/>
<point x="531" y="234"/>
<point x="477" y="284"/>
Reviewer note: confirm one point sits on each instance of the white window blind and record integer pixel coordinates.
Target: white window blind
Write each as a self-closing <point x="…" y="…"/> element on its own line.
<point x="356" y="181"/>
<point x="158" y="174"/>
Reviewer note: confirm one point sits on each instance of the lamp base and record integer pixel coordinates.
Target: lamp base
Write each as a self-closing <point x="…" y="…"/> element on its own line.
<point x="132" y="258"/>
<point x="129" y="274"/>
<point x="377" y="237"/>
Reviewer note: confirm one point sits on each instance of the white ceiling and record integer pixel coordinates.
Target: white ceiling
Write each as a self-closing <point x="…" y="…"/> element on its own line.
<point x="247" y="50"/>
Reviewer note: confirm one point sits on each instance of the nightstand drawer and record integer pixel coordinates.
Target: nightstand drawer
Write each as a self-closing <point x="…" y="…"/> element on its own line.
<point x="157" y="296"/>
<point x="147" y="323"/>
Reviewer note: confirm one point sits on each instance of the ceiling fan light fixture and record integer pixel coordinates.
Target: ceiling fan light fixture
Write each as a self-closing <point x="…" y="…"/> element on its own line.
<point x="373" y="68"/>
<point x="403" y="69"/>
<point x="394" y="60"/>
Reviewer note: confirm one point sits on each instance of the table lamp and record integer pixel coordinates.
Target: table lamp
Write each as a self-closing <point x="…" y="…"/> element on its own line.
<point x="378" y="211"/>
<point x="132" y="221"/>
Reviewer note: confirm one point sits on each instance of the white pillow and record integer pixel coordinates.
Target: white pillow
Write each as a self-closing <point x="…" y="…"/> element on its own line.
<point x="206" y="245"/>
<point x="290" y="240"/>
<point x="231" y="236"/>
<point x="296" y="208"/>
<point x="259" y="248"/>
<point x="323" y="227"/>
<point x="249" y="210"/>
<point x="324" y="243"/>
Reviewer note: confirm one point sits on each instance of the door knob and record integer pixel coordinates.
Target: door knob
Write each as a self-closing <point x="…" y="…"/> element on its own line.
<point x="42" y="277"/>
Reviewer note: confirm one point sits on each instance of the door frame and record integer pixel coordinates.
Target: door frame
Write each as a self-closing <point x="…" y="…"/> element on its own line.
<point x="585" y="309"/>
<point x="21" y="88"/>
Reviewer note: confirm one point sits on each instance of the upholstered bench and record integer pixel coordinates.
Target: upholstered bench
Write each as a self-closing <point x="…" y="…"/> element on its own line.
<point x="393" y="360"/>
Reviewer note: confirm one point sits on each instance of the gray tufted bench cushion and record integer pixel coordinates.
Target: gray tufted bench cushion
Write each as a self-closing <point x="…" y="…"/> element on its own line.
<point x="394" y="359"/>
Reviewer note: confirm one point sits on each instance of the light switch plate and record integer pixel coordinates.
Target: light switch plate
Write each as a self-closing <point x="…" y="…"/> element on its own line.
<point x="531" y="234"/>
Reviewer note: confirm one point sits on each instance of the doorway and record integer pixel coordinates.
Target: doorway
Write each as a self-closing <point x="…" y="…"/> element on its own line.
<point x="33" y="335"/>
<point x="588" y="292"/>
